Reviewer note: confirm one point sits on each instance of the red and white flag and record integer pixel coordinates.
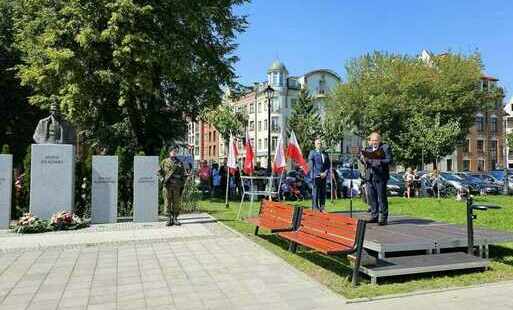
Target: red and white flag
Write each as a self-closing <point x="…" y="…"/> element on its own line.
<point x="233" y="152"/>
<point x="279" y="162"/>
<point x="248" y="161"/>
<point x="294" y="152"/>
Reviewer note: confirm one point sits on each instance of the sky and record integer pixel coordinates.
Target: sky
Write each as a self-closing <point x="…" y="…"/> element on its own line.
<point x="325" y="34"/>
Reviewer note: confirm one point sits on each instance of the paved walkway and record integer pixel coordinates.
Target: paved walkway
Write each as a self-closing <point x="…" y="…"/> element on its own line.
<point x="199" y="265"/>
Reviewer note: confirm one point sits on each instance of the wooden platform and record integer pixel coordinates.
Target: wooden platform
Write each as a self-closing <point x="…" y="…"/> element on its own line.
<point x="404" y="265"/>
<point x="403" y="234"/>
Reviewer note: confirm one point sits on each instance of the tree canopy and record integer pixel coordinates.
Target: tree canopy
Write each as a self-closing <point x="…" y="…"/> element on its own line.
<point x="412" y="102"/>
<point x="305" y="121"/>
<point x="19" y="119"/>
<point x="128" y="72"/>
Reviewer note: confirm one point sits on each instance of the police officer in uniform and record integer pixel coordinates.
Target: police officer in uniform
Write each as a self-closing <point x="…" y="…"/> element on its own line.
<point x="172" y="173"/>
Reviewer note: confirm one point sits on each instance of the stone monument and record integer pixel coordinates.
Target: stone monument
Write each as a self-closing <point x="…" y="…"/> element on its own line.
<point x="146" y="188"/>
<point x="5" y="190"/>
<point x="52" y="166"/>
<point x="104" y="190"/>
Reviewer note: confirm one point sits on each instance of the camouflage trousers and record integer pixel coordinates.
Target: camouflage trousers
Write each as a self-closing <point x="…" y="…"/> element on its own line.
<point x="172" y="199"/>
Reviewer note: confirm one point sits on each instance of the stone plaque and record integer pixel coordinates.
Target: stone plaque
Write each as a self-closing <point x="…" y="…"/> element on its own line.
<point x="52" y="170"/>
<point x="104" y="190"/>
<point x="5" y="190"/>
<point x="146" y="188"/>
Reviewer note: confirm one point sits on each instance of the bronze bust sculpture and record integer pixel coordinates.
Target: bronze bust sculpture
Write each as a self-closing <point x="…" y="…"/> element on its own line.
<point x="54" y="129"/>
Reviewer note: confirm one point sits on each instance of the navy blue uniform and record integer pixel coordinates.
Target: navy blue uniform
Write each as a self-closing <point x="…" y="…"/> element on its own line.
<point x="319" y="162"/>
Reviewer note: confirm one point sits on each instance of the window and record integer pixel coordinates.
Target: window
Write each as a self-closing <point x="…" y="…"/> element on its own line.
<point x="252" y="108"/>
<point x="449" y="164"/>
<point x="275" y="105"/>
<point x="466" y="146"/>
<point x="214" y="150"/>
<point x="274" y="142"/>
<point x="274" y="124"/>
<point x="493" y="124"/>
<point x="480" y="146"/>
<point x="209" y="137"/>
<point x="466" y="165"/>
<point x="209" y="150"/>
<point x="252" y="141"/>
<point x="265" y="125"/>
<point x="275" y="78"/>
<point x="259" y="125"/>
<point x="480" y="123"/>
<point x="259" y="107"/>
<point x="293" y="103"/>
<point x="492" y="149"/>
<point x="252" y="125"/>
<point x="259" y="144"/>
<point x="480" y="165"/>
<point x="265" y="143"/>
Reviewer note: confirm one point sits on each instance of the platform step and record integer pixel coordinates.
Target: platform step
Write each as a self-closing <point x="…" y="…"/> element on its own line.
<point x="416" y="264"/>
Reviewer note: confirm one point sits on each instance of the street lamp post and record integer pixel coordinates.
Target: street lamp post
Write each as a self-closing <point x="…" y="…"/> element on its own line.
<point x="269" y="91"/>
<point x="505" y="148"/>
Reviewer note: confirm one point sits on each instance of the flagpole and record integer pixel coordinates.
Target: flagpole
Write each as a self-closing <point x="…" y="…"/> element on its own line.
<point x="226" y="203"/>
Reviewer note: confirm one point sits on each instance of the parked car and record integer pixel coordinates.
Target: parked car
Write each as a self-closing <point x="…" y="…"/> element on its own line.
<point x="346" y="175"/>
<point x="395" y="185"/>
<point x="454" y="183"/>
<point x="489" y="185"/>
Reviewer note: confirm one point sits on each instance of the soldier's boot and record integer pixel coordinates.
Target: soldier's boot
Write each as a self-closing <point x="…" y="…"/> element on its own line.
<point x="170" y="221"/>
<point x="175" y="216"/>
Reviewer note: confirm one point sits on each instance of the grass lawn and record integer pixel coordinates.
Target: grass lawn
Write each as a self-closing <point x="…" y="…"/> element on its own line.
<point x="334" y="273"/>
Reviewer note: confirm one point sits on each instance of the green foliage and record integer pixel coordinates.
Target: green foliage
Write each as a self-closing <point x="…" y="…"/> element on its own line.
<point x="305" y="121"/>
<point x="83" y="175"/>
<point x="509" y="139"/>
<point x="18" y="117"/>
<point x="125" y="180"/>
<point x="226" y="121"/>
<point x="5" y="149"/>
<point x="397" y="95"/>
<point x="128" y="73"/>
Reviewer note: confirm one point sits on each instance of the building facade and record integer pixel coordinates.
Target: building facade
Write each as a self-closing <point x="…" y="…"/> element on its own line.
<point x="483" y="149"/>
<point x="319" y="84"/>
<point x="508" y="121"/>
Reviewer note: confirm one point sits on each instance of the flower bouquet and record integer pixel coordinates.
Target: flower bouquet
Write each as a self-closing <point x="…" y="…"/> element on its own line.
<point x="29" y="224"/>
<point x="67" y="220"/>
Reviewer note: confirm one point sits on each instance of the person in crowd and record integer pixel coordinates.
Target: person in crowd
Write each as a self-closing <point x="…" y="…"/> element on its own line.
<point x="173" y="175"/>
<point x="377" y="174"/>
<point x="319" y="163"/>
<point x="223" y="172"/>
<point x="408" y="178"/>
<point x="434" y="177"/>
<point x="205" y="178"/>
<point x="416" y="183"/>
<point x="216" y="180"/>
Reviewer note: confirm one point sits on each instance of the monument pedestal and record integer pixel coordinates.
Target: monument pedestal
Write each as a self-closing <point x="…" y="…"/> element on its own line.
<point x="146" y="189"/>
<point x="52" y="170"/>
<point x="104" y="190"/>
<point x="5" y="190"/>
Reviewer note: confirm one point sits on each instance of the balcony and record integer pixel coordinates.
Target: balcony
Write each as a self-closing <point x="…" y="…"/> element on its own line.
<point x="275" y="129"/>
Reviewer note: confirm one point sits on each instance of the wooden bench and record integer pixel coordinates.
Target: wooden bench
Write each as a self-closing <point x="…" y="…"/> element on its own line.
<point x="330" y="234"/>
<point x="275" y="216"/>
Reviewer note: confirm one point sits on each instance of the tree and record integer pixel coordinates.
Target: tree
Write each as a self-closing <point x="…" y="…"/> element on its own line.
<point x="306" y="122"/>
<point x="19" y="119"/>
<point x="128" y="73"/>
<point x="509" y="140"/>
<point x="226" y="121"/>
<point x="398" y="94"/>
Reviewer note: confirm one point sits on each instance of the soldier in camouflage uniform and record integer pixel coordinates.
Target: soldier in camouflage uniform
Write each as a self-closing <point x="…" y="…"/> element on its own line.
<point x="172" y="173"/>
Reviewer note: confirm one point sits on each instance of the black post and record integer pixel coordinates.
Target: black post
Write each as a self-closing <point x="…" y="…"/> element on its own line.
<point x="269" y="136"/>
<point x="470" y="226"/>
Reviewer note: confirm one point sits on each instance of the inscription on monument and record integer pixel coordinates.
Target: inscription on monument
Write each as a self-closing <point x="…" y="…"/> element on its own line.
<point x="51" y="179"/>
<point x="146" y="188"/>
<point x="5" y="190"/>
<point x="104" y="208"/>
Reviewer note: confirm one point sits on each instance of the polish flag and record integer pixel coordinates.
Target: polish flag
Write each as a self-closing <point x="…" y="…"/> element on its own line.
<point x="294" y="152"/>
<point x="233" y="152"/>
<point x="279" y="162"/>
<point x="248" y="162"/>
